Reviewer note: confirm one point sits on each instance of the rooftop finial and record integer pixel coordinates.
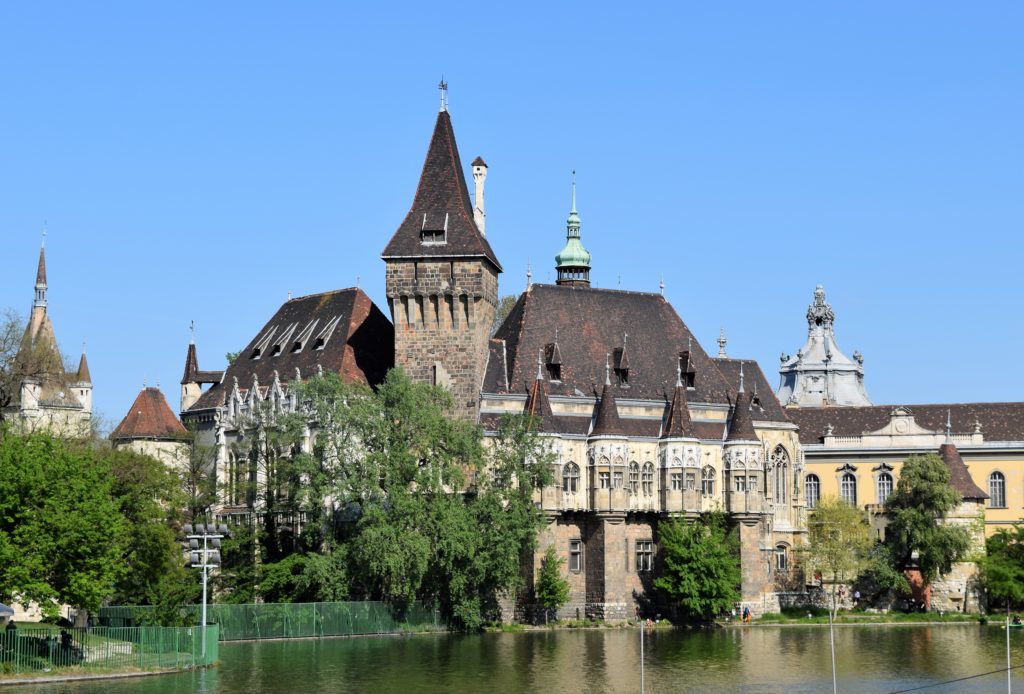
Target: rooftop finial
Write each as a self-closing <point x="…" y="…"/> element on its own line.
<point x="540" y="363"/>
<point x="741" y="377"/>
<point x="443" y="86"/>
<point x="192" y="331"/>
<point x="679" y="373"/>
<point x="607" y="369"/>
<point x="721" y="343"/>
<point x="357" y="281"/>
<point x="949" y="427"/>
<point x="573" y="210"/>
<point x="529" y="274"/>
<point x="661" y="284"/>
<point x="42" y="243"/>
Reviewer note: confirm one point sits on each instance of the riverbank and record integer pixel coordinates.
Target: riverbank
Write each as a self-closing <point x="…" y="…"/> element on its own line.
<point x="78" y="676"/>
<point x="865" y="618"/>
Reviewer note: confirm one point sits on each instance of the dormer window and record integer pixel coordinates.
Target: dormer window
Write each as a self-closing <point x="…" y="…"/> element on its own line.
<point x="554" y="372"/>
<point x="553" y="361"/>
<point x="275" y="351"/>
<point x="621" y="368"/>
<point x="687" y="373"/>
<point x="433" y="237"/>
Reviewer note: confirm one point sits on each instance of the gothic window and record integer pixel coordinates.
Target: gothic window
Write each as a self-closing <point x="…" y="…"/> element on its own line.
<point x="691" y="481"/>
<point x="576" y="556"/>
<point x="997" y="490"/>
<point x="604" y="477"/>
<point x="751" y="483"/>
<point x="848" y="488"/>
<point x="780" y="461"/>
<point x="648" y="479"/>
<point x="617" y="480"/>
<point x="741" y="483"/>
<point x="570" y="478"/>
<point x="812" y="490"/>
<point x="644" y="555"/>
<point x="634" y="479"/>
<point x="781" y="558"/>
<point x="884" y="486"/>
<point x="707" y="481"/>
<point x="676" y="479"/>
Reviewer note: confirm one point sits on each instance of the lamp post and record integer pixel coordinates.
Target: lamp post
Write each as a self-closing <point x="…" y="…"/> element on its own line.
<point x="205" y="557"/>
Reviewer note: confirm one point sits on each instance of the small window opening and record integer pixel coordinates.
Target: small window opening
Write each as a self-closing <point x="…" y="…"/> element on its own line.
<point x="296" y="347"/>
<point x="687" y="374"/>
<point x="319" y="344"/>
<point x="277" y="350"/>
<point x="555" y="372"/>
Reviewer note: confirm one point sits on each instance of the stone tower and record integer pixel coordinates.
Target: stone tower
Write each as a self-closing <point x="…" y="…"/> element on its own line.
<point x="442" y="278"/>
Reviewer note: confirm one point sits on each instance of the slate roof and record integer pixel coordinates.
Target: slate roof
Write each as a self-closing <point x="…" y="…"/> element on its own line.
<point x="83" y="374"/>
<point x="959" y="477"/>
<point x="590" y="324"/>
<point x="766" y="407"/>
<point x="677" y="422"/>
<point x="1000" y="421"/>
<point x="441" y="196"/>
<point x="741" y="428"/>
<point x="359" y="346"/>
<point x="150" y="417"/>
<point x="607" y="421"/>
<point x="538" y="407"/>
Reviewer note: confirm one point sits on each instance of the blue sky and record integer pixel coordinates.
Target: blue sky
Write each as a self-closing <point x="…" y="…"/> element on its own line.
<point x="198" y="161"/>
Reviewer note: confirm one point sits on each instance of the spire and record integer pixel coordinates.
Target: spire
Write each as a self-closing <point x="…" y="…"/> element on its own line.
<point x="83" y="375"/>
<point x="677" y="422"/>
<point x="40" y="300"/>
<point x="607" y="370"/>
<point x="741" y="377"/>
<point x="443" y="87"/>
<point x="191" y="363"/>
<point x="573" y="262"/>
<point x="742" y="427"/>
<point x="441" y="222"/>
<point x="721" y="343"/>
<point x="949" y="428"/>
<point x="607" y="421"/>
<point x="538" y="406"/>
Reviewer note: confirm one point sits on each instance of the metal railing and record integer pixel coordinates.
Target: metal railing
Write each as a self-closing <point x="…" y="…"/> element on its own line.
<point x="42" y="648"/>
<point x="295" y="620"/>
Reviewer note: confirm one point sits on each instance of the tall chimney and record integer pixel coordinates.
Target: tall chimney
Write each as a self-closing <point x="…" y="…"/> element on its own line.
<point x="479" y="177"/>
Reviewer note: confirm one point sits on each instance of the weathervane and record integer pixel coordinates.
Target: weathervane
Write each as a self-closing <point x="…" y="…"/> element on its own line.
<point x="192" y="329"/>
<point x="443" y="86"/>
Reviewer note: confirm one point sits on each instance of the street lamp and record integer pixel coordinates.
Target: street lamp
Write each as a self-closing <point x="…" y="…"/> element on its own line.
<point x="206" y="557"/>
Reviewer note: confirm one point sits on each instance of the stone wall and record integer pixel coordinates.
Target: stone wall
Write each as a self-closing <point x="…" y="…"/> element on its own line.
<point x="442" y="312"/>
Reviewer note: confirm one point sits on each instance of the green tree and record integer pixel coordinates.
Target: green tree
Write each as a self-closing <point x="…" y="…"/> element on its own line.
<point x="552" y="590"/>
<point x="916" y="509"/>
<point x="505" y="306"/>
<point x="1002" y="569"/>
<point x="839" y="544"/>
<point x="701" y="567"/>
<point x="62" y="535"/>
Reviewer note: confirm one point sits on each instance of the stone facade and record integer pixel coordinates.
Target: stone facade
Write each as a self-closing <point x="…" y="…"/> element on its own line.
<point x="443" y="311"/>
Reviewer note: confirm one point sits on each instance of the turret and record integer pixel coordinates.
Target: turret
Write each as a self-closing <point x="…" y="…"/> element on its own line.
<point x="573" y="262"/>
<point x="743" y="461"/>
<point x="680" y="454"/>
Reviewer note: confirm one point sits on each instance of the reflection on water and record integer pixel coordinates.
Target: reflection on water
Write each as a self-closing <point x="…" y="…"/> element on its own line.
<point x="751" y="659"/>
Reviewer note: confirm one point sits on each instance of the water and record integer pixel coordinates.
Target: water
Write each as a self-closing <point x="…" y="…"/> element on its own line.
<point x="752" y="659"/>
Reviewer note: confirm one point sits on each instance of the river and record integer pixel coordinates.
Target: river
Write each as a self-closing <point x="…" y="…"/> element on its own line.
<point x="751" y="659"/>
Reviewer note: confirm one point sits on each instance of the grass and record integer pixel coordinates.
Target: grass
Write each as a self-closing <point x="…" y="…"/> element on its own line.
<point x="820" y="616"/>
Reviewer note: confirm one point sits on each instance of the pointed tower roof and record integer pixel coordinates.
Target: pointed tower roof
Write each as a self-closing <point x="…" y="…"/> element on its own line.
<point x="150" y="417"/>
<point x="83" y="370"/>
<point x="959" y="476"/>
<point x="538" y="406"/>
<point x="678" y="423"/>
<point x="742" y="426"/>
<point x="41" y="269"/>
<point x="573" y="262"/>
<point x="441" y="206"/>
<point x="607" y="421"/>
<point x="191" y="365"/>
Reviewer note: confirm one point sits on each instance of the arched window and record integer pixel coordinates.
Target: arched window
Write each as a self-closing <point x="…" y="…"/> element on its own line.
<point x="781" y="558"/>
<point x="648" y="479"/>
<point x="780" y="460"/>
<point x="848" y="488"/>
<point x="634" y="479"/>
<point x="997" y="490"/>
<point x="570" y="478"/>
<point x="812" y="490"/>
<point x="884" y="486"/>
<point x="707" y="481"/>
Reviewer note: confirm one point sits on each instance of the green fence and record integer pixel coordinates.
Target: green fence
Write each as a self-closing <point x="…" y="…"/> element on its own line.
<point x="29" y="649"/>
<point x="293" y="620"/>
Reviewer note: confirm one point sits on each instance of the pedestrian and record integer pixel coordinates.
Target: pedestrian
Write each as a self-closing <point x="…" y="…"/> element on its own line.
<point x="856" y="598"/>
<point x="746" y="614"/>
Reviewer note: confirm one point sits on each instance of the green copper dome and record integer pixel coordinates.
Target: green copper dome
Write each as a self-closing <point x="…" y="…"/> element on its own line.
<point x="573" y="261"/>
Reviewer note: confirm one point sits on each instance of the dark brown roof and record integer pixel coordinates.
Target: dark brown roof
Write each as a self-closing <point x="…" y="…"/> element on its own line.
<point x="192" y="372"/>
<point x="1000" y="421"/>
<point x="441" y="198"/>
<point x="607" y="421"/>
<point x="357" y="342"/>
<point x="765" y="406"/>
<point x="590" y="325"/>
<point x="150" y="417"/>
<point x="678" y="423"/>
<point x="741" y="428"/>
<point x="538" y="407"/>
<point x="959" y="477"/>
<point x="41" y="269"/>
<point x="83" y="370"/>
<point x="479" y="161"/>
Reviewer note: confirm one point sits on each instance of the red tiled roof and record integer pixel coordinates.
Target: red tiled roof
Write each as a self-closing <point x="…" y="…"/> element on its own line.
<point x="959" y="476"/>
<point x="150" y="417"/>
